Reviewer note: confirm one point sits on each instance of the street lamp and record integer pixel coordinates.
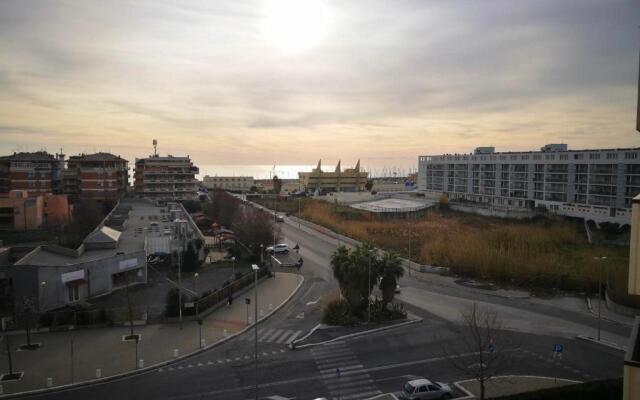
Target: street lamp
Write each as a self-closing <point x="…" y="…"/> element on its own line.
<point x="233" y="268"/>
<point x="255" y="304"/>
<point x="369" y="286"/>
<point x="195" y="284"/>
<point x="600" y="259"/>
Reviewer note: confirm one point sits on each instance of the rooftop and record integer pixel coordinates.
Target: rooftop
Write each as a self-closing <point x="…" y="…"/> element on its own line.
<point x="132" y="237"/>
<point x="393" y="205"/>
<point x="34" y="156"/>
<point x="97" y="157"/>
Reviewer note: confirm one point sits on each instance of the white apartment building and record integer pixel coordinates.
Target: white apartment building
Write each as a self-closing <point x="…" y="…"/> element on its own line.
<point x="231" y="183"/>
<point x="596" y="185"/>
<point x="166" y="178"/>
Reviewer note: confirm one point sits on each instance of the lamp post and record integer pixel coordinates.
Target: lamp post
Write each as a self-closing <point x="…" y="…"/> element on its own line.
<point x="195" y="284"/>
<point x="600" y="259"/>
<point x="255" y="304"/>
<point x="180" y="287"/>
<point x="233" y="268"/>
<point x="369" y="287"/>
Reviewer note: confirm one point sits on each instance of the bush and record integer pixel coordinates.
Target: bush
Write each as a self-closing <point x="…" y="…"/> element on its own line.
<point x="380" y="312"/>
<point x="337" y="312"/>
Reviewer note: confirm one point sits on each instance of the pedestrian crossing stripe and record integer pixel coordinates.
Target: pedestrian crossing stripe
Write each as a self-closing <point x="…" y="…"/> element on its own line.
<point x="272" y="335"/>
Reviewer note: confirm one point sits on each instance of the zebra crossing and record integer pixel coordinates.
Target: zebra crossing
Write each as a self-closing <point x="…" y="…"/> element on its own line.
<point x="342" y="372"/>
<point x="277" y="336"/>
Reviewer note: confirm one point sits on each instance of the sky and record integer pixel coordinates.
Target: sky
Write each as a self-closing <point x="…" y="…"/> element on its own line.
<point x="292" y="81"/>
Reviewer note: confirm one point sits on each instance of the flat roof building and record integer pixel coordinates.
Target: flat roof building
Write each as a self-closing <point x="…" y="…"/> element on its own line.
<point x="230" y="183"/>
<point x="166" y="178"/>
<point x="594" y="184"/>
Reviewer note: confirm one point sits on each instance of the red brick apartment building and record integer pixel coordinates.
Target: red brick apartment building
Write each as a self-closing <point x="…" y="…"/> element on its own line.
<point x="99" y="176"/>
<point x="36" y="173"/>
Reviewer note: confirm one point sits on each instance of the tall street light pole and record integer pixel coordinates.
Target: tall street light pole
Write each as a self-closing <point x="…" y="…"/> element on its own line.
<point x="180" y="287"/>
<point x="600" y="259"/>
<point x="369" y="286"/>
<point x="255" y="323"/>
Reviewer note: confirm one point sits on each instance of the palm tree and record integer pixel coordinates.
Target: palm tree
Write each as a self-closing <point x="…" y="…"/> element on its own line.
<point x="346" y="275"/>
<point x="390" y="269"/>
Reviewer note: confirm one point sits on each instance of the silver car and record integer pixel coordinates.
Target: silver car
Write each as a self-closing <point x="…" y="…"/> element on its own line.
<point x="423" y="389"/>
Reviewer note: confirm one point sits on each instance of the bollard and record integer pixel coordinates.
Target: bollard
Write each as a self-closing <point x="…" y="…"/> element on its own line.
<point x="141" y="363"/>
<point x="49" y="382"/>
<point x="250" y="320"/>
<point x="175" y="352"/>
<point x="270" y="306"/>
<point x="224" y="333"/>
<point x="261" y="313"/>
<point x="202" y="344"/>
<point x="98" y="373"/>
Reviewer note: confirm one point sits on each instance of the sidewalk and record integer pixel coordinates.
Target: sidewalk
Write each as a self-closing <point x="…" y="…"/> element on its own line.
<point x="103" y="348"/>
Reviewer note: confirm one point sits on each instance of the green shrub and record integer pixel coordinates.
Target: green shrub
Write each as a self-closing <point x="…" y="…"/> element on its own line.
<point x="380" y="312"/>
<point x="337" y="312"/>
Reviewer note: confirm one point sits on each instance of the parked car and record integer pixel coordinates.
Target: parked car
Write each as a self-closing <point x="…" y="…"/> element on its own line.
<point x="278" y="248"/>
<point x="424" y="389"/>
<point x="279" y="218"/>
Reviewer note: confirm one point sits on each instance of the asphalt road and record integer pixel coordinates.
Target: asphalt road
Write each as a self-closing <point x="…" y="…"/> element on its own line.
<point x="368" y="365"/>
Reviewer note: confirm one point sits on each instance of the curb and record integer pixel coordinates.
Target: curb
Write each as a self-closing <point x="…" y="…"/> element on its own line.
<point x="595" y="314"/>
<point x="356" y="334"/>
<point x="602" y="343"/>
<point x="153" y="367"/>
<point x="292" y="345"/>
<point x="469" y="395"/>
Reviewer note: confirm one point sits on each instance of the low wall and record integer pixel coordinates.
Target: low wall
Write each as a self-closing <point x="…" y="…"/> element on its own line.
<point x="492" y="211"/>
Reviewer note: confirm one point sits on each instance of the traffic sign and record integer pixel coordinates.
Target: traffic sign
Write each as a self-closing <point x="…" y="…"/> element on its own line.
<point x="558" y="348"/>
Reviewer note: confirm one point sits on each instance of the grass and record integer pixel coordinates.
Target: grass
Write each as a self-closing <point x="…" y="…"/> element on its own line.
<point x="543" y="255"/>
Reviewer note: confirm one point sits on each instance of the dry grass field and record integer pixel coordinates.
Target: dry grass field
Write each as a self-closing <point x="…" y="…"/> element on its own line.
<point x="542" y="255"/>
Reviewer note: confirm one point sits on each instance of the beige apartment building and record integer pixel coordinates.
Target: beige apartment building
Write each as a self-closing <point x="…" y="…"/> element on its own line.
<point x="349" y="180"/>
<point x="230" y="183"/>
<point x="165" y="178"/>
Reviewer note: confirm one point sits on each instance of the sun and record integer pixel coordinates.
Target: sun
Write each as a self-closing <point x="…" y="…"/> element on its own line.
<point x="295" y="25"/>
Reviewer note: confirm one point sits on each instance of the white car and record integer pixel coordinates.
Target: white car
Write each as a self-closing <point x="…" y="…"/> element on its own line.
<point x="423" y="389"/>
<point x="278" y="248"/>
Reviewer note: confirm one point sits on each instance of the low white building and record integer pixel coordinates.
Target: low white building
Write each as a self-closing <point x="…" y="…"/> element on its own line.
<point x="231" y="183"/>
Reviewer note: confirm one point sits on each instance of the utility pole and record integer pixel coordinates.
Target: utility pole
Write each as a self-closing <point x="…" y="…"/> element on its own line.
<point x="600" y="260"/>
<point x="369" y="296"/>
<point x="180" y="287"/>
<point x="255" y="322"/>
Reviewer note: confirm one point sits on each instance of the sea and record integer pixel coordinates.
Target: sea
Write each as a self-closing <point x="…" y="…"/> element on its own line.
<point x="291" y="171"/>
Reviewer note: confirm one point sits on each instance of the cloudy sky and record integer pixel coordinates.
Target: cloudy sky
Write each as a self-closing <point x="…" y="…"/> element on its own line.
<point x="289" y="82"/>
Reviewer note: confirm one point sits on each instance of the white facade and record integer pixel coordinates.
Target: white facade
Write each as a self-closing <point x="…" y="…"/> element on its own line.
<point x="591" y="184"/>
<point x="232" y="183"/>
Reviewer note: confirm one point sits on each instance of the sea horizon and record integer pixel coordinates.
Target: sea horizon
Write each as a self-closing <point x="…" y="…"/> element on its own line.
<point x="291" y="171"/>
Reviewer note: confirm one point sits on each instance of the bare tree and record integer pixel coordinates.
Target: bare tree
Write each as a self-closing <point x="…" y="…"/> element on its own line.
<point x="483" y="349"/>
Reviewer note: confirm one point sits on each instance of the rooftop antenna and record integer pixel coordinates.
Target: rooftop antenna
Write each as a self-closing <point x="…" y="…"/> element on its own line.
<point x="155" y="148"/>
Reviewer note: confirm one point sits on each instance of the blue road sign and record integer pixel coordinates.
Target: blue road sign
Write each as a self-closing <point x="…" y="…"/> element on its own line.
<point x="492" y="348"/>
<point x="558" y="348"/>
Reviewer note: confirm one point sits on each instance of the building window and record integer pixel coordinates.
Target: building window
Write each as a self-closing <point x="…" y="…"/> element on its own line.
<point x="631" y="156"/>
<point x="74" y="293"/>
<point x="594" y="156"/>
<point x="611" y="156"/>
<point x="578" y="156"/>
<point x="564" y="156"/>
<point x="525" y="157"/>
<point x="537" y="156"/>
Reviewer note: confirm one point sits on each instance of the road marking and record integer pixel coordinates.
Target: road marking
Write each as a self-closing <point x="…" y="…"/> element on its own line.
<point x="264" y="334"/>
<point x="311" y="303"/>
<point x="293" y="337"/>
<point x="270" y="338"/>
<point x="282" y="337"/>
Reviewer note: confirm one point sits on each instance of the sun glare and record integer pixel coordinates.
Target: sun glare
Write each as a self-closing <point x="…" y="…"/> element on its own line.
<point x="295" y="25"/>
